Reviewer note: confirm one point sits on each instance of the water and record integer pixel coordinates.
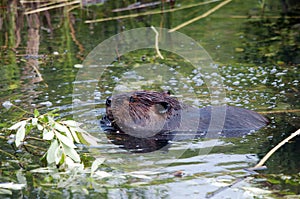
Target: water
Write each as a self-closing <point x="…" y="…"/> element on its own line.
<point x="258" y="62"/>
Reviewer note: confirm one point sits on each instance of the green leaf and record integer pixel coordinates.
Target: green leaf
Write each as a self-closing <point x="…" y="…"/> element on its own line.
<point x="48" y="135"/>
<point x="43" y="119"/>
<point x="71" y="123"/>
<point x="62" y="128"/>
<point x="74" y="134"/>
<point x="96" y="164"/>
<point x="21" y="176"/>
<point x="36" y="113"/>
<point x="58" y="155"/>
<point x="5" y="191"/>
<point x="82" y="140"/>
<point x="40" y="127"/>
<point x="17" y="125"/>
<point x="50" y="120"/>
<point x="59" y="127"/>
<point x="64" y="139"/>
<point x="80" y="130"/>
<point x="88" y="139"/>
<point x="102" y="174"/>
<point x="11" y="185"/>
<point x="51" y="153"/>
<point x="34" y="121"/>
<point x="20" y="135"/>
<point x="72" y="153"/>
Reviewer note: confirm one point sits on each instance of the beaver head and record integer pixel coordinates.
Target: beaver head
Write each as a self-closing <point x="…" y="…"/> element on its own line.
<point x="143" y="113"/>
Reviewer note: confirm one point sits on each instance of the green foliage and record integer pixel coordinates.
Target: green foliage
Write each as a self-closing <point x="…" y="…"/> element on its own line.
<point x="276" y="41"/>
<point x="62" y="136"/>
<point x="287" y="184"/>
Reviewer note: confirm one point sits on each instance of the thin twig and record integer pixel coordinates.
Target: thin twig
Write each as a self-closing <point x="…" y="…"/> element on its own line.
<point x="47" y="4"/>
<point x="156" y="42"/>
<point x="8" y="154"/>
<point x="137" y="6"/>
<point x="201" y="16"/>
<point x="212" y="194"/>
<point x="38" y="149"/>
<point x="118" y="54"/>
<point x="73" y="35"/>
<point x="149" y="13"/>
<point x="258" y="17"/>
<point x="37" y="71"/>
<point x="23" y="110"/>
<point x="279" y="111"/>
<point x="267" y="156"/>
<point x="33" y="138"/>
<point x="52" y="7"/>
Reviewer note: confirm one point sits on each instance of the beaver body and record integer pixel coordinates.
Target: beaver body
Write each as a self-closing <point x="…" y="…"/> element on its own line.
<point x="150" y="114"/>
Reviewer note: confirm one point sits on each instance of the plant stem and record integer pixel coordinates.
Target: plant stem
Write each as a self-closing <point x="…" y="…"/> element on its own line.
<point x="267" y="156"/>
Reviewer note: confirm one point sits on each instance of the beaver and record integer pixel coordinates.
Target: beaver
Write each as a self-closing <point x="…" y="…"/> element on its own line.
<point x="152" y="114"/>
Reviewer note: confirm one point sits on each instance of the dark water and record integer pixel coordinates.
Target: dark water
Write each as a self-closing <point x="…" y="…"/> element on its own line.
<point x="257" y="59"/>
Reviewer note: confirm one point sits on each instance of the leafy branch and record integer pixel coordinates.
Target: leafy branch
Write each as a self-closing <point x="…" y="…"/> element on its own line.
<point x="63" y="135"/>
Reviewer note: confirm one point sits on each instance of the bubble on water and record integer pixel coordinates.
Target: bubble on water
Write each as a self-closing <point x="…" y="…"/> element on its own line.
<point x="207" y="76"/>
<point x="236" y="83"/>
<point x="264" y="81"/>
<point x="229" y="88"/>
<point x="7" y="105"/>
<point x="274" y="70"/>
<point x="191" y="90"/>
<point x="47" y="103"/>
<point x="280" y="74"/>
<point x="185" y="86"/>
<point x="199" y="82"/>
<point x="78" y="66"/>
<point x="166" y="88"/>
<point x="97" y="95"/>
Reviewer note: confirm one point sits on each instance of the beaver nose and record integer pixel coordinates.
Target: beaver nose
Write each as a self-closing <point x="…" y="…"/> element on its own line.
<point x="108" y="101"/>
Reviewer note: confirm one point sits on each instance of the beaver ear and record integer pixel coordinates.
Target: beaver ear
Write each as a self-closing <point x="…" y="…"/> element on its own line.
<point x="168" y="92"/>
<point x="163" y="107"/>
<point x="131" y="99"/>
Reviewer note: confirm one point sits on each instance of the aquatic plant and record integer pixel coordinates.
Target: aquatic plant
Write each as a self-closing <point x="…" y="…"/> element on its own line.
<point x="60" y="136"/>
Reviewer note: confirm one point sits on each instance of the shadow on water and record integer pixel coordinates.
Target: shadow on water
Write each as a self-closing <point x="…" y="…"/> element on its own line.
<point x="257" y="57"/>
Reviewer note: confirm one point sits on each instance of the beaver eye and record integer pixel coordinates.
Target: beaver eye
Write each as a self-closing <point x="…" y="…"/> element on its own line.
<point x="163" y="107"/>
<point x="108" y="101"/>
<point x="131" y="99"/>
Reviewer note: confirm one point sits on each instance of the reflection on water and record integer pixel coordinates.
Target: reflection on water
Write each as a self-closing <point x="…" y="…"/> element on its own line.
<point x="259" y="63"/>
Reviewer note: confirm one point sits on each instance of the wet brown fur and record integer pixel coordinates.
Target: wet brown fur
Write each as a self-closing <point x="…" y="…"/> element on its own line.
<point x="142" y="111"/>
<point x="143" y="101"/>
<point x="147" y="113"/>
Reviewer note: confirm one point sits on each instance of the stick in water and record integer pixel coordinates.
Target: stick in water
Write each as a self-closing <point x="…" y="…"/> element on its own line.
<point x="267" y="156"/>
<point x="201" y="16"/>
<point x="156" y="42"/>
